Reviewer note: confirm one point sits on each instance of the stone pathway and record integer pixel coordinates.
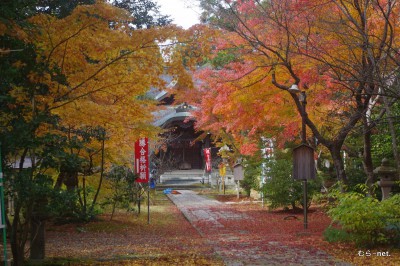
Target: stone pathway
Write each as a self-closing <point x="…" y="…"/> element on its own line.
<point x="236" y="247"/>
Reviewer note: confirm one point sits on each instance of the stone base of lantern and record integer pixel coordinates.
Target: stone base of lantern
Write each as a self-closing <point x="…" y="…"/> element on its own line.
<point x="386" y="186"/>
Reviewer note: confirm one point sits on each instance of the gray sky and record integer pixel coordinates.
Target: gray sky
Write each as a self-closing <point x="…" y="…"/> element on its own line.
<point x="183" y="12"/>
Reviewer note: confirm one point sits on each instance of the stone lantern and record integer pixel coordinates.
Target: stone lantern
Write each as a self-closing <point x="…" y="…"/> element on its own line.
<point x="386" y="175"/>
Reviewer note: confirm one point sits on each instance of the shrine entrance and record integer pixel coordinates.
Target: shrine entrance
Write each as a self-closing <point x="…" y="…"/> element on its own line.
<point x="183" y="146"/>
<point x="185" y="151"/>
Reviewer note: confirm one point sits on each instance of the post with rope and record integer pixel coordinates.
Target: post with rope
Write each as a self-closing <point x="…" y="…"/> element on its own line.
<point x="148" y="203"/>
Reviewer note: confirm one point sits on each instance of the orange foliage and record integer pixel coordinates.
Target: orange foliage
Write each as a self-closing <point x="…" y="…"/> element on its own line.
<point x="108" y="70"/>
<point x="323" y="47"/>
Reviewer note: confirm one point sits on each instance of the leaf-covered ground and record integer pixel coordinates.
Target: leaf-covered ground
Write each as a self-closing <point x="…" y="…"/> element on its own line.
<point x="129" y="240"/>
<point x="287" y="227"/>
<point x="169" y="239"/>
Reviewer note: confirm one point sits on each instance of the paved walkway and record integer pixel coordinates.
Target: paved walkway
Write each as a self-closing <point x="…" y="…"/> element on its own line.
<point x="232" y="245"/>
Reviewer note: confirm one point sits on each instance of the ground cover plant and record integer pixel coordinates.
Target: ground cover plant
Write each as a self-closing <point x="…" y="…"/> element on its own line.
<point x="369" y="221"/>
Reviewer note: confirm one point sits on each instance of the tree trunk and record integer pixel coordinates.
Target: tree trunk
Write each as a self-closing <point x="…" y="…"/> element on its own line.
<point x="367" y="157"/>
<point x="84" y="206"/>
<point x="139" y="199"/>
<point x="338" y="163"/>
<point x="113" y="209"/>
<point x="20" y="225"/>
<point x="17" y="241"/>
<point x="70" y="179"/>
<point x="37" y="230"/>
<point x="37" y="245"/>
<point x="14" y="245"/>
<point x="101" y="175"/>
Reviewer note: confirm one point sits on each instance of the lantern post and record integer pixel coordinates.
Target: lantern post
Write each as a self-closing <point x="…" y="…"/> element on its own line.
<point x="303" y="155"/>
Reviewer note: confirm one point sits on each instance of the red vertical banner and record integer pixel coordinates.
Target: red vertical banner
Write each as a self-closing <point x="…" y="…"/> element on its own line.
<point x="142" y="160"/>
<point x="207" y="157"/>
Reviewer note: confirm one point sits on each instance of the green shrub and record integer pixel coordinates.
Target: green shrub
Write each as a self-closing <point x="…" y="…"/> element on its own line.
<point x="66" y="206"/>
<point x="124" y="191"/>
<point x="281" y="189"/>
<point x="332" y="234"/>
<point x="369" y="221"/>
<point x="251" y="175"/>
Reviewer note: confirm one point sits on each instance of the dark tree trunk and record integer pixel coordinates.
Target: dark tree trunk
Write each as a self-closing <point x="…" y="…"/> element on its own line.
<point x="101" y="175"/>
<point x="113" y="210"/>
<point x="17" y="238"/>
<point x="367" y="157"/>
<point x="70" y="179"/>
<point x="37" y="230"/>
<point x="37" y="247"/>
<point x="338" y="163"/>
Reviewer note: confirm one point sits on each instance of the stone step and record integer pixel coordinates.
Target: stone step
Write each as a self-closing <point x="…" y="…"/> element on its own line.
<point x="164" y="178"/>
<point x="185" y="172"/>
<point x="182" y="175"/>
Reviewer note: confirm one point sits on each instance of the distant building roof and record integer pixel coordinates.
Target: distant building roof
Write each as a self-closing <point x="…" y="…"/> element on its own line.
<point x="169" y="113"/>
<point x="173" y="113"/>
<point x="159" y="94"/>
<point x="27" y="163"/>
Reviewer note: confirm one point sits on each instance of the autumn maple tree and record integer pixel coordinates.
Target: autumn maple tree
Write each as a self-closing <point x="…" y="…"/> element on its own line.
<point x="343" y="54"/>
